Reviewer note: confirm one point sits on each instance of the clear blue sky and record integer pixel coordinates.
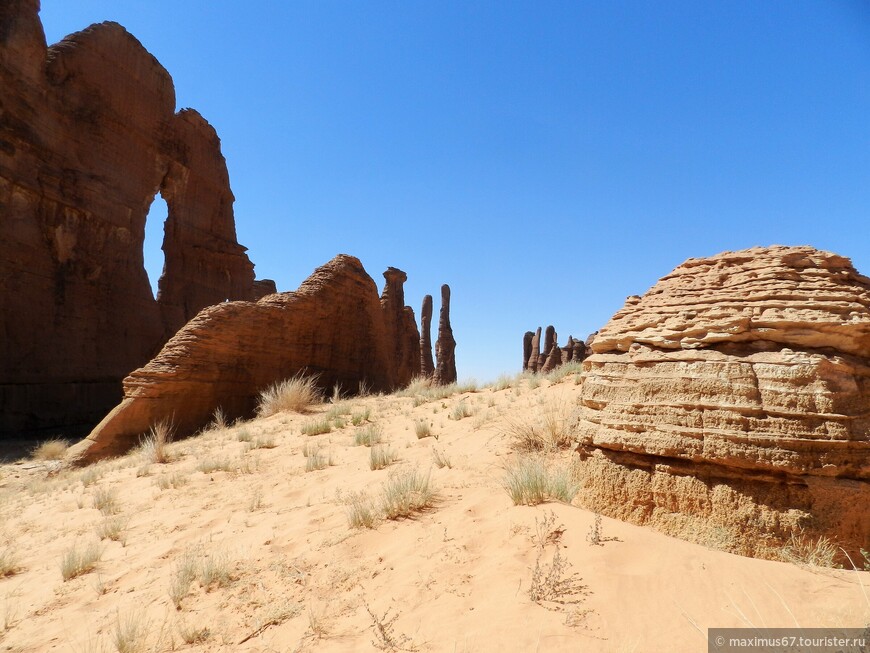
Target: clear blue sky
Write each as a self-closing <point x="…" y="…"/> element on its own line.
<point x="546" y="159"/>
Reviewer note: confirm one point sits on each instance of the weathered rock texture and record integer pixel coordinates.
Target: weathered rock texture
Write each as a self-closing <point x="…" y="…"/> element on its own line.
<point x="534" y="360"/>
<point x="427" y="364"/>
<point x="334" y="326"/>
<point x="401" y="327"/>
<point x="445" y="346"/>
<point x="88" y="136"/>
<point x="731" y="403"/>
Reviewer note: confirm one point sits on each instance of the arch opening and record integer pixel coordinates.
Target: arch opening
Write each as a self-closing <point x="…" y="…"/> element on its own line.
<point x="152" y="248"/>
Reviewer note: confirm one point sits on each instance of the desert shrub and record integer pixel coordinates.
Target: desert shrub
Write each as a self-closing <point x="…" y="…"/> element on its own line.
<point x="153" y="445"/>
<point x="381" y="455"/>
<point x="106" y="501"/>
<point x="209" y="465"/>
<point x="530" y="480"/>
<point x="80" y="560"/>
<point x="219" y="419"/>
<point x="130" y="633"/>
<point x="545" y="431"/>
<point x="9" y="562"/>
<point x="359" y="418"/>
<point x="193" y="634"/>
<point x="316" y="427"/>
<point x="558" y="374"/>
<point x="441" y="459"/>
<point x="360" y="511"/>
<point x="175" y="480"/>
<point x="422" y="429"/>
<point x="405" y="493"/>
<point x="113" y="528"/>
<point x="367" y="435"/>
<point x="503" y="382"/>
<point x="419" y="385"/>
<point x="460" y="411"/>
<point x="54" y="449"/>
<point x="315" y="461"/>
<point x="296" y="394"/>
<point x="821" y="552"/>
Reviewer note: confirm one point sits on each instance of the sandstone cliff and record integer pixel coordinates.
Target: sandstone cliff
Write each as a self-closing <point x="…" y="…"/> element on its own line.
<point x="89" y="135"/>
<point x="731" y="403"/>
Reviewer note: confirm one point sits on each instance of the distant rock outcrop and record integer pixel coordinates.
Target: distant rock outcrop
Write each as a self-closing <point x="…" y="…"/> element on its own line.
<point x="334" y="326"/>
<point x="445" y="346"/>
<point x="731" y="403"/>
<point x="534" y="360"/>
<point x="89" y="135"/>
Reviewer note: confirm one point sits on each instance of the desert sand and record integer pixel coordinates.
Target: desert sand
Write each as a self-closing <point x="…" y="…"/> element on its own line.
<point x="274" y="564"/>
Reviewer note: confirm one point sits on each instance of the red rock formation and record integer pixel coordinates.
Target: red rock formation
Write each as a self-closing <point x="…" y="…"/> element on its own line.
<point x="527" y="349"/>
<point x="427" y="365"/>
<point x="401" y="326"/>
<point x="445" y="346"/>
<point x="332" y="326"/>
<point x="88" y="136"/>
<point x="535" y="355"/>
<point x="534" y="360"/>
<point x="731" y="403"/>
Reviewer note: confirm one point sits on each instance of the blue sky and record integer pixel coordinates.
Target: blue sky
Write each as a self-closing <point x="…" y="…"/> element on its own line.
<point x="545" y="159"/>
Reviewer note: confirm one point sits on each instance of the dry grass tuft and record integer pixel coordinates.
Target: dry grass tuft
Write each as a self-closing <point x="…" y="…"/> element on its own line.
<point x="422" y="429"/>
<point x="405" y="493"/>
<point x="441" y="459"/>
<point x="106" y="501"/>
<point x="296" y="394"/>
<point x="545" y="431"/>
<point x="54" y="449"/>
<point x="113" y="528"/>
<point x="360" y="511"/>
<point x="816" y="553"/>
<point x="531" y="480"/>
<point x="153" y="445"/>
<point x="368" y="435"/>
<point x="380" y="456"/>
<point x="316" y="427"/>
<point x="130" y="633"/>
<point x="9" y="562"/>
<point x="77" y="561"/>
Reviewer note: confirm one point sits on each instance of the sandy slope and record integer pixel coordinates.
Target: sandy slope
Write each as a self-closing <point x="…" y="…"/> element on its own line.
<point x="456" y="577"/>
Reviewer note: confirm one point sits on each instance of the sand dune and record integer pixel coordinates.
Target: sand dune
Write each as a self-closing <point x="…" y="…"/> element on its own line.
<point x="275" y="566"/>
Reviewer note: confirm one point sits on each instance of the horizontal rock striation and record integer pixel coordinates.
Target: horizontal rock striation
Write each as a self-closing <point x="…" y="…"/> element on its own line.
<point x="89" y="135"/>
<point x="731" y="403"/>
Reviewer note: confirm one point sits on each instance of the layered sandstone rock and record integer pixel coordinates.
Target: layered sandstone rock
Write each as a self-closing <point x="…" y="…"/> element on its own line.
<point x="333" y="326"/>
<point x="731" y="403"/>
<point x="89" y="135"/>
<point x="445" y="346"/>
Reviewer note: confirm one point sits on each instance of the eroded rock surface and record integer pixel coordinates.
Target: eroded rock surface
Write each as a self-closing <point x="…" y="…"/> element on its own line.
<point x="731" y="403"/>
<point x="89" y="135"/>
<point x="334" y="327"/>
<point x="401" y="327"/>
<point x="445" y="346"/>
<point x="427" y="364"/>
